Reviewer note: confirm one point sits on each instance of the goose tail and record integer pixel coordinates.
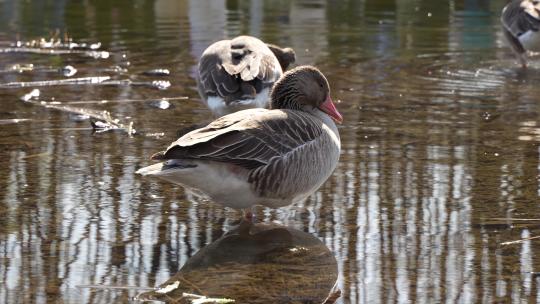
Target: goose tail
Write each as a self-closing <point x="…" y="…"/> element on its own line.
<point x="165" y="168"/>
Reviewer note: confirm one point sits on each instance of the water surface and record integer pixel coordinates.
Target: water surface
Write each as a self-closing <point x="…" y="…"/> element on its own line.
<point x="439" y="167"/>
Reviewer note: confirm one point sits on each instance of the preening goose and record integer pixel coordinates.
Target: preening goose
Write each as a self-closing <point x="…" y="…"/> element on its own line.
<point x="521" y="22"/>
<point x="257" y="156"/>
<point x="238" y="74"/>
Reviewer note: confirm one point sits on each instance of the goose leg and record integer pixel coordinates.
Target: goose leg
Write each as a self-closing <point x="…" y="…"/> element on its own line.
<point x="522" y="60"/>
<point x="248" y="214"/>
<point x="517" y="47"/>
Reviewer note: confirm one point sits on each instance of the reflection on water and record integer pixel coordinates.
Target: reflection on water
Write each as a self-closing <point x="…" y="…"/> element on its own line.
<point x="439" y="172"/>
<point x="258" y="263"/>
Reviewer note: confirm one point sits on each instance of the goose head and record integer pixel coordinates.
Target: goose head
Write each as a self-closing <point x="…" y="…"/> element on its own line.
<point x="285" y="56"/>
<point x="304" y="88"/>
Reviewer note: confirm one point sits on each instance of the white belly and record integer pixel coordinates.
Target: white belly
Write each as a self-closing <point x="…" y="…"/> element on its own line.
<point x="530" y="41"/>
<point x="217" y="180"/>
<point x="218" y="106"/>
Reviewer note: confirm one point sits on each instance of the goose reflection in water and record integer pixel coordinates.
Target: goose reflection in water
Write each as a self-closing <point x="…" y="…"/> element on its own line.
<point x="256" y="263"/>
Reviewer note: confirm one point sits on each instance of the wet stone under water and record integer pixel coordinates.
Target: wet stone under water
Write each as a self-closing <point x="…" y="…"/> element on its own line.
<point x="438" y="180"/>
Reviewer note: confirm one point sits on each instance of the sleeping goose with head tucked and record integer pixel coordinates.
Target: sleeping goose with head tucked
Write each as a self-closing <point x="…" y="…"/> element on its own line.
<point x="272" y="157"/>
<point x="521" y="25"/>
<point x="238" y="74"/>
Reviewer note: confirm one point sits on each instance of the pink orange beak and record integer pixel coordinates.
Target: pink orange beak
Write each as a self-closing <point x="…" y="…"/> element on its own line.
<point x="329" y="108"/>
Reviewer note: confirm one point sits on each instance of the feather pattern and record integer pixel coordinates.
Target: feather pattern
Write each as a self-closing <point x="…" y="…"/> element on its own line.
<point x="281" y="150"/>
<point x="521" y="16"/>
<point x="258" y="156"/>
<point x="249" y="138"/>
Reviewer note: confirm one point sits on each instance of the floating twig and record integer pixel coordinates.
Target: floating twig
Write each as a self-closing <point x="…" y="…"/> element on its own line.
<point x="197" y="299"/>
<point x="101" y="126"/>
<point x="101" y="121"/>
<point x="19" y="68"/>
<point x="510" y="219"/>
<point x="56" y="43"/>
<point x="104" y="101"/>
<point x="13" y="121"/>
<point x="67" y="70"/>
<point x="94" y="80"/>
<point x="168" y="288"/>
<point x="68" y="129"/>
<point x="37" y="155"/>
<point x="47" y="83"/>
<point x="92" y="54"/>
<point x="520" y="241"/>
<point x="113" y="287"/>
<point x="191" y="284"/>
<point x="158" y="84"/>
<point x="157" y="72"/>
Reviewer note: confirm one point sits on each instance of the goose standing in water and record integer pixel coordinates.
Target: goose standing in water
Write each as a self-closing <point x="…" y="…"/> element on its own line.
<point x="521" y="25"/>
<point x="270" y="157"/>
<point x="238" y="74"/>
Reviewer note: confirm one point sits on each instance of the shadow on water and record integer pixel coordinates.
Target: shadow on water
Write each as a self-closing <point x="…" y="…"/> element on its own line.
<point x="435" y="198"/>
<point x="261" y="263"/>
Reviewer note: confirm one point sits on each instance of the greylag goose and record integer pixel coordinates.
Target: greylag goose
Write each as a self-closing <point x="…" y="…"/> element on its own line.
<point x="258" y="156"/>
<point x="238" y="74"/>
<point x="521" y="22"/>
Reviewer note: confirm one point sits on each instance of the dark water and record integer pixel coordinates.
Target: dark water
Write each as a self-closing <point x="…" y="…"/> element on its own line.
<point x="440" y="163"/>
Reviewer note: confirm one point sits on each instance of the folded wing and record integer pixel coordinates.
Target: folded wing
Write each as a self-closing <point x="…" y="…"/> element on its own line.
<point x="249" y="138"/>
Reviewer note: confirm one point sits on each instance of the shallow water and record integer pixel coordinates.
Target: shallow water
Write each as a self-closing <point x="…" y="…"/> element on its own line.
<point x="439" y="169"/>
